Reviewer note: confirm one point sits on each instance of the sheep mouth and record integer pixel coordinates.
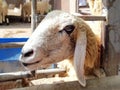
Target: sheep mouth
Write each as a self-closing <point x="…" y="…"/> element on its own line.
<point x="29" y="64"/>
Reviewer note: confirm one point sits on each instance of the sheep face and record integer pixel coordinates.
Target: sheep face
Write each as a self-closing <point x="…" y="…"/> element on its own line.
<point x="59" y="36"/>
<point x="52" y="41"/>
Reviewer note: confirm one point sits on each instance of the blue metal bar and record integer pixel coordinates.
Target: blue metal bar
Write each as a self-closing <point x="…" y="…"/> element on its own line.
<point x="8" y="40"/>
<point x="9" y="54"/>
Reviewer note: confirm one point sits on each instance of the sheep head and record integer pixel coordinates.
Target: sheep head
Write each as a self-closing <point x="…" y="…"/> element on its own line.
<point x="59" y="36"/>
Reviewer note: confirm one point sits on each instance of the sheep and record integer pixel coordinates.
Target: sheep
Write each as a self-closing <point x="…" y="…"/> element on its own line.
<point x="3" y="12"/>
<point x="42" y="8"/>
<point x="97" y="8"/>
<point x="26" y="11"/>
<point x="63" y="36"/>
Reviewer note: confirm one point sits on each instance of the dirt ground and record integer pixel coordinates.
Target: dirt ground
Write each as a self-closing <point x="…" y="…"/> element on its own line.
<point x="15" y="30"/>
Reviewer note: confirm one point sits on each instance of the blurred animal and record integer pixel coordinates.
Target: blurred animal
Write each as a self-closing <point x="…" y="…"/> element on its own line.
<point x="3" y="12"/>
<point x="43" y="7"/>
<point x="96" y="6"/>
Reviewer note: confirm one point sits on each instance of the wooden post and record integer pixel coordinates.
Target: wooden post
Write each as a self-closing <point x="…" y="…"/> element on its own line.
<point x="52" y="3"/>
<point x="77" y="6"/>
<point x="112" y="52"/>
<point x="33" y="14"/>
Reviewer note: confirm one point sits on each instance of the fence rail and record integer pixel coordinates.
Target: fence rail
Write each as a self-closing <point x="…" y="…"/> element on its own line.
<point x="28" y="74"/>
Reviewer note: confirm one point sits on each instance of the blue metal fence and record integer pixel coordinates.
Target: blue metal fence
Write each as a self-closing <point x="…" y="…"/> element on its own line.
<point x="9" y="56"/>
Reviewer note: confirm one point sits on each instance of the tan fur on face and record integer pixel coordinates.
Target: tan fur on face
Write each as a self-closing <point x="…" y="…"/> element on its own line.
<point x="92" y="60"/>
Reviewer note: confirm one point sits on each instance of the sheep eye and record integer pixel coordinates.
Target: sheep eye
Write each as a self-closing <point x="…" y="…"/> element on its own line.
<point x="69" y="29"/>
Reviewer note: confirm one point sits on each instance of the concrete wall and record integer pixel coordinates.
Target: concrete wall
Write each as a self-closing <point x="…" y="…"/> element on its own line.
<point x="112" y="50"/>
<point x="65" y="5"/>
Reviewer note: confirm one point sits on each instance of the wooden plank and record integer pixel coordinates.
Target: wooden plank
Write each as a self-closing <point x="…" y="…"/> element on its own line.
<point x="92" y="18"/>
<point x="27" y="74"/>
<point x="10" y="85"/>
<point x="106" y="83"/>
<point x="12" y="45"/>
<point x="89" y="17"/>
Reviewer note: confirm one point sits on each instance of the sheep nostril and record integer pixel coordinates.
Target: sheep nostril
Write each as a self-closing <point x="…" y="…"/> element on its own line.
<point x="28" y="54"/>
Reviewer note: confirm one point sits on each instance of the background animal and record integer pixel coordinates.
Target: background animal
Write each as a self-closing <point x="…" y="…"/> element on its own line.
<point x="97" y="8"/>
<point x="3" y="11"/>
<point x="62" y="36"/>
<point x="43" y="7"/>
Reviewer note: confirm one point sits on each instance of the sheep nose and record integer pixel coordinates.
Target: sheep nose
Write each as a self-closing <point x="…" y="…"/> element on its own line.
<point x="27" y="53"/>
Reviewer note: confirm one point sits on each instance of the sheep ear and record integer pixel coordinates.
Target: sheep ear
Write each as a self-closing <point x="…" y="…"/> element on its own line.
<point x="79" y="56"/>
